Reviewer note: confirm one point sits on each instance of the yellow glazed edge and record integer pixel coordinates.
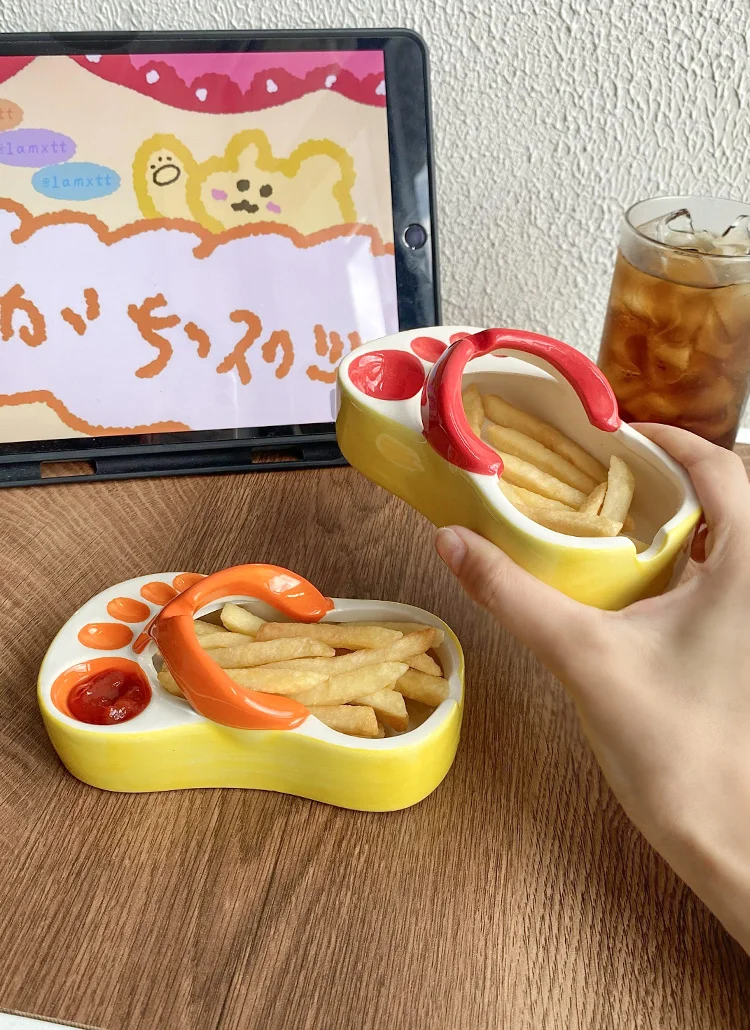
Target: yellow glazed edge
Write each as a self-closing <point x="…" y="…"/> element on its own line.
<point x="400" y="460"/>
<point x="379" y="776"/>
<point x="208" y="755"/>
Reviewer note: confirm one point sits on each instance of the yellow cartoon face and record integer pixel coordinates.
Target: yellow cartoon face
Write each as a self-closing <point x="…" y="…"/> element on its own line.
<point x="249" y="194"/>
<point x="164" y="169"/>
<point x="310" y="190"/>
<point x="161" y="170"/>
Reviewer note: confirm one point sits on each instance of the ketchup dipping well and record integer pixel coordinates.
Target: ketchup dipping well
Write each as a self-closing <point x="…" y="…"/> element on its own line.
<point x="109" y="697"/>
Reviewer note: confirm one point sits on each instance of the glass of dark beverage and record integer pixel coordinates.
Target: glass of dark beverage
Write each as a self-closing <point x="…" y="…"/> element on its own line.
<point x="676" y="340"/>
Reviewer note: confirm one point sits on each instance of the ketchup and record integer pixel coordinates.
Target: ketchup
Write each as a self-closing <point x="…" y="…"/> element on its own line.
<point x="109" y="697"/>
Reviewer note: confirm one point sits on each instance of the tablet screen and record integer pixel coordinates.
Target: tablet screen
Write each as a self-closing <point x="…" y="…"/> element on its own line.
<point x="188" y="241"/>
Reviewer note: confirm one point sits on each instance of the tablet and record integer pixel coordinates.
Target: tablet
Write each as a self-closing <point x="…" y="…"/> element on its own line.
<point x="194" y="229"/>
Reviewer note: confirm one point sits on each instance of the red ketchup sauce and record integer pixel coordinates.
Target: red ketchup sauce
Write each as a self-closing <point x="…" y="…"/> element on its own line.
<point x="109" y="697"/>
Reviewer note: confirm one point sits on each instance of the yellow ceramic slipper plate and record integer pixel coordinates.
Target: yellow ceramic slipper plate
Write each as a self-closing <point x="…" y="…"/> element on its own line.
<point x="226" y="735"/>
<point x="401" y="422"/>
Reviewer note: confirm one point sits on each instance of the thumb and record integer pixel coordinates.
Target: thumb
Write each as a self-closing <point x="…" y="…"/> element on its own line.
<point x="561" y="631"/>
<point x="718" y="475"/>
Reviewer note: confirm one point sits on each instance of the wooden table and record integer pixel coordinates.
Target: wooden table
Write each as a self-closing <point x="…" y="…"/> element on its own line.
<point x="517" y="896"/>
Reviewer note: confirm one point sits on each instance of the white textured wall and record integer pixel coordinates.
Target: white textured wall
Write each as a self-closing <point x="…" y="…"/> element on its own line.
<point x="550" y="115"/>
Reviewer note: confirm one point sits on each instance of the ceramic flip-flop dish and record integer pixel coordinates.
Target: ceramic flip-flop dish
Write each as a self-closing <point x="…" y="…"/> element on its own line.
<point x="221" y="734"/>
<point x="402" y="423"/>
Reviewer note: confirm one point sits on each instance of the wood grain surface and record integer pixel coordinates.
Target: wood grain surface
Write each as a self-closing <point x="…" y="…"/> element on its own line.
<point x="517" y="896"/>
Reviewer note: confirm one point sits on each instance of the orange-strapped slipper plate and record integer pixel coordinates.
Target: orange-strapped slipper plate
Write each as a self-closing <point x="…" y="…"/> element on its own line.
<point x="401" y="422"/>
<point x="223" y="735"/>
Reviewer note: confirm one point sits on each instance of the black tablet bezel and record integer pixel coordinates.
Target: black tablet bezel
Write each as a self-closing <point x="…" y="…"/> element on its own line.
<point x="413" y="193"/>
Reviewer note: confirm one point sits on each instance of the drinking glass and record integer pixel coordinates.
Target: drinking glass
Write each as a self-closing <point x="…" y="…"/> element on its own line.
<point x="676" y="341"/>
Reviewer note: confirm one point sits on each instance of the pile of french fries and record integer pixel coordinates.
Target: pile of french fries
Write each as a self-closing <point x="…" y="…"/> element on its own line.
<point x="548" y="477"/>
<point x="358" y="678"/>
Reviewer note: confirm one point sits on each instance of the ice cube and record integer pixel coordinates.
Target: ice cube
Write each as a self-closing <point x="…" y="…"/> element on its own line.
<point x="732" y="307"/>
<point x="674" y="229"/>
<point x="686" y="266"/>
<point x="680" y="221"/>
<point x="681" y="235"/>
<point x="735" y="239"/>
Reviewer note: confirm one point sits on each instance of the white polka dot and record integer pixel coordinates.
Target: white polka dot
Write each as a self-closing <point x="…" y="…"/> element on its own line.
<point x="330" y="81"/>
<point x="152" y="76"/>
<point x="381" y="88"/>
<point x="94" y="58"/>
<point x="271" y="86"/>
<point x="201" y="94"/>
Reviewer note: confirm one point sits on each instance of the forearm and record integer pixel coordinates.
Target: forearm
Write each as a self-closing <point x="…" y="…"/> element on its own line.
<point x="699" y="822"/>
<point x="715" y="863"/>
<point x="724" y="886"/>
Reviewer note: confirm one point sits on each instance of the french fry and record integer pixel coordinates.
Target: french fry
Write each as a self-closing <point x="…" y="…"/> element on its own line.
<point x="423" y="663"/>
<point x="620" y="487"/>
<point x="511" y="492"/>
<point x="269" y="681"/>
<point x="593" y="503"/>
<point x="167" y="680"/>
<point x="512" y="441"/>
<point x="348" y="686"/>
<point x="522" y="473"/>
<point x="592" y="517"/>
<point x="326" y="666"/>
<point x="351" y="692"/>
<point x="276" y="681"/>
<point x="351" y="635"/>
<point x="505" y="414"/>
<point x="358" y="721"/>
<point x="210" y="641"/>
<point x="389" y="706"/>
<point x="410" y="627"/>
<point x="253" y="654"/>
<point x="412" y="644"/>
<point x="204" y="629"/>
<point x="240" y="620"/>
<point x="517" y="495"/>
<point x="474" y="409"/>
<point x="408" y="647"/>
<point x="572" y="523"/>
<point x="430" y="690"/>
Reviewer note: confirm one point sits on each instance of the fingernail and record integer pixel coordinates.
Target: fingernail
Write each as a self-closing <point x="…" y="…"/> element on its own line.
<point x="451" y="548"/>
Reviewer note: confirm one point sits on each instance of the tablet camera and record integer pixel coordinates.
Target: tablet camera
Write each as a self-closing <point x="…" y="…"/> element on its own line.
<point x="415" y="236"/>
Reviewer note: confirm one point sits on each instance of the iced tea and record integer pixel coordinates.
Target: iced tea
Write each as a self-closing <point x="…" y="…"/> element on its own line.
<point x="676" y="340"/>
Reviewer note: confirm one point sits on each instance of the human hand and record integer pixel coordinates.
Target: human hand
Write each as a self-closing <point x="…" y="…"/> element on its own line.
<point x="662" y="688"/>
